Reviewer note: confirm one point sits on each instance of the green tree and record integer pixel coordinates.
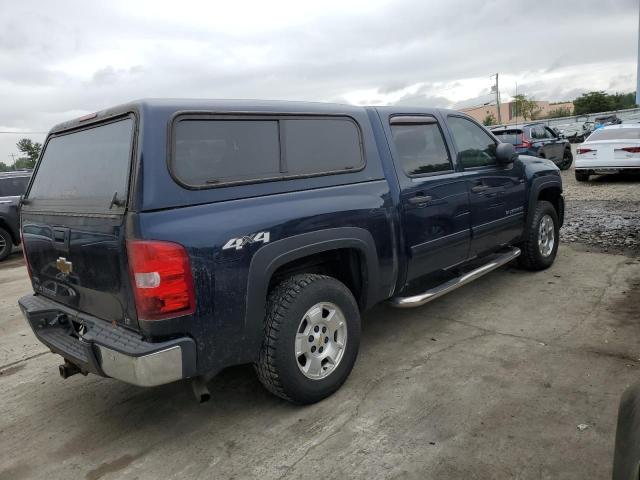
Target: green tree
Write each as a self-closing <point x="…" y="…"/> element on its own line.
<point x="31" y="150"/>
<point x="559" y="112"/>
<point x="489" y="120"/>
<point x="525" y="107"/>
<point x="4" y="167"/>
<point x="592" y="102"/>
<point x="620" y="101"/>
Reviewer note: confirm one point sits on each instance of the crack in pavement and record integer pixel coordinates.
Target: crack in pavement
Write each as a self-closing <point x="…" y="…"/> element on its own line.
<point x="25" y="359"/>
<point x="560" y="347"/>
<point x="374" y="385"/>
<point x="597" y="304"/>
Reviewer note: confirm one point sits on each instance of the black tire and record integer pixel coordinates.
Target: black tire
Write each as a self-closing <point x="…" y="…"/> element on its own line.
<point x="567" y="159"/>
<point x="6" y="244"/>
<point x="627" y="447"/>
<point x="582" y="176"/>
<point x="277" y="367"/>
<point x="531" y="257"/>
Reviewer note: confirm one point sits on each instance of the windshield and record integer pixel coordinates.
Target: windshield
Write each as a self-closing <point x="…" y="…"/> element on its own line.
<point x="513" y="137"/>
<point x="85" y="169"/>
<point x="615" y="134"/>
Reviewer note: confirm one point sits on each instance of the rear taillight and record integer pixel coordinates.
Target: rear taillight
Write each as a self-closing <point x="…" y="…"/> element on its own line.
<point x="524" y="143"/>
<point x="631" y="149"/>
<point x="582" y="151"/>
<point x="161" y="279"/>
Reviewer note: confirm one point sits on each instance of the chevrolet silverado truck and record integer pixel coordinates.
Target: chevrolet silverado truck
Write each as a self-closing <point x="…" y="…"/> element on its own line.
<point x="169" y="239"/>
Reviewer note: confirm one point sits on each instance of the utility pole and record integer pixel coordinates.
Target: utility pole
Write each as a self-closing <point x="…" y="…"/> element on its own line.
<point x="496" y="88"/>
<point x="13" y="158"/>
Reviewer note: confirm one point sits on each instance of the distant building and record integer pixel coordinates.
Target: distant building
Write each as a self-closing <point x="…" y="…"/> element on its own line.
<point x="508" y="111"/>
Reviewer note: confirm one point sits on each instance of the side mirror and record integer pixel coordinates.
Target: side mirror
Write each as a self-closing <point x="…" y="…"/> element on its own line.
<point x="506" y="153"/>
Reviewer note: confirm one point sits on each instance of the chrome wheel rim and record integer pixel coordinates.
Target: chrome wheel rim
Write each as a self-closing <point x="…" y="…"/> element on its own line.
<point x="3" y="244"/>
<point x="321" y="340"/>
<point x="546" y="236"/>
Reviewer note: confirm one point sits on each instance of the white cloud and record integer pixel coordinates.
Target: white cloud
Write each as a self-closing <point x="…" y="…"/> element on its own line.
<point x="62" y="59"/>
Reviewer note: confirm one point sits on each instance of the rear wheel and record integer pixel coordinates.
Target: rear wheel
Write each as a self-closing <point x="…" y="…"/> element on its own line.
<point x="6" y="244"/>
<point x="567" y="159"/>
<point x="541" y="238"/>
<point x="582" y="176"/>
<point x="312" y="335"/>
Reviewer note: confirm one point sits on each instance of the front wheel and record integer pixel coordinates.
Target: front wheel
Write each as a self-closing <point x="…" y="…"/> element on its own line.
<point x="6" y="244"/>
<point x="541" y="238"/>
<point x="312" y="336"/>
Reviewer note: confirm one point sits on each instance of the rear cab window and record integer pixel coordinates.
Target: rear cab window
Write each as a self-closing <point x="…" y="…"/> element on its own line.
<point x="218" y="151"/>
<point x="85" y="170"/>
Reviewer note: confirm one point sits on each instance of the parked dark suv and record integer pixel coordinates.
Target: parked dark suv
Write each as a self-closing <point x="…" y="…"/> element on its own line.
<point x="169" y="239"/>
<point x="538" y="140"/>
<point x="12" y="186"/>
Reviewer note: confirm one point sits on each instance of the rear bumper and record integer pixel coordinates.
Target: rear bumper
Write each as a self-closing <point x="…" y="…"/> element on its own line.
<point x="596" y="164"/>
<point x="98" y="347"/>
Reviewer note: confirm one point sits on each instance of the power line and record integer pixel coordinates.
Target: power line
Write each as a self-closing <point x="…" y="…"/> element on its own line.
<point x="24" y="133"/>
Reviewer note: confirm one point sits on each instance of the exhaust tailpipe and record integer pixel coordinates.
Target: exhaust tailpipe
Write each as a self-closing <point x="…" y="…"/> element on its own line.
<point x="200" y="390"/>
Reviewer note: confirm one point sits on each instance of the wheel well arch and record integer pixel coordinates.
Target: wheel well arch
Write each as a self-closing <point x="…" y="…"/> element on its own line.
<point x="553" y="194"/>
<point x="319" y="250"/>
<point x="347" y="265"/>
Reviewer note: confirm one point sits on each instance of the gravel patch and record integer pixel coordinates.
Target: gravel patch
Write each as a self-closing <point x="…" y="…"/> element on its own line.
<point x="603" y="213"/>
<point x="609" y="226"/>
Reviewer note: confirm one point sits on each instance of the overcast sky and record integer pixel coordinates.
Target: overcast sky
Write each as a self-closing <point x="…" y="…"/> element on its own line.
<point x="62" y="59"/>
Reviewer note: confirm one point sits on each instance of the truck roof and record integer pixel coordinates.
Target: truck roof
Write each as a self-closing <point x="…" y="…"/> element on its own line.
<point x="171" y="105"/>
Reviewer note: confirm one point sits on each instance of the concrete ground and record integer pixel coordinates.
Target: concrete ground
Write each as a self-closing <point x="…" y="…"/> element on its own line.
<point x="488" y="382"/>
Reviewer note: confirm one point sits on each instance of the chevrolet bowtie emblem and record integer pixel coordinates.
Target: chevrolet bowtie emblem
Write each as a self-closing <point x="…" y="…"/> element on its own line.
<point x="64" y="266"/>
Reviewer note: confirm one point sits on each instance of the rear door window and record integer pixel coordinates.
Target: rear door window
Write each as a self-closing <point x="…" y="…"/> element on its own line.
<point x="13" y="186"/>
<point x="550" y="133"/>
<point x="212" y="152"/>
<point x="421" y="149"/>
<point x="538" y="132"/>
<point x="84" y="170"/>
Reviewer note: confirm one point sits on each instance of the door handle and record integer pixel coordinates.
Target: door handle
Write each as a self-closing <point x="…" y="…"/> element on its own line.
<point x="479" y="188"/>
<point x="420" y="199"/>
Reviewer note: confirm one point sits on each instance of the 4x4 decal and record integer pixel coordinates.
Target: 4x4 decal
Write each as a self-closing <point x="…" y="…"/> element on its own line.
<point x="238" y="243"/>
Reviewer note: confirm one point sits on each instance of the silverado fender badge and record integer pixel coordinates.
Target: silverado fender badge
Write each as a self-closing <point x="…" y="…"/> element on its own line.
<point x="240" y="242"/>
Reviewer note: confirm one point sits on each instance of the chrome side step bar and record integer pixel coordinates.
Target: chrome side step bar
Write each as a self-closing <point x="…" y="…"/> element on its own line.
<point x="438" y="291"/>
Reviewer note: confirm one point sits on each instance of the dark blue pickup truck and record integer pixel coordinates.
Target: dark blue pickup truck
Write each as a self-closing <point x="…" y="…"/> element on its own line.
<point x="169" y="239"/>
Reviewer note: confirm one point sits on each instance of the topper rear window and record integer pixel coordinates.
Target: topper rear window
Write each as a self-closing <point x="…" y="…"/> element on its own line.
<point x="209" y="152"/>
<point x="85" y="169"/>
